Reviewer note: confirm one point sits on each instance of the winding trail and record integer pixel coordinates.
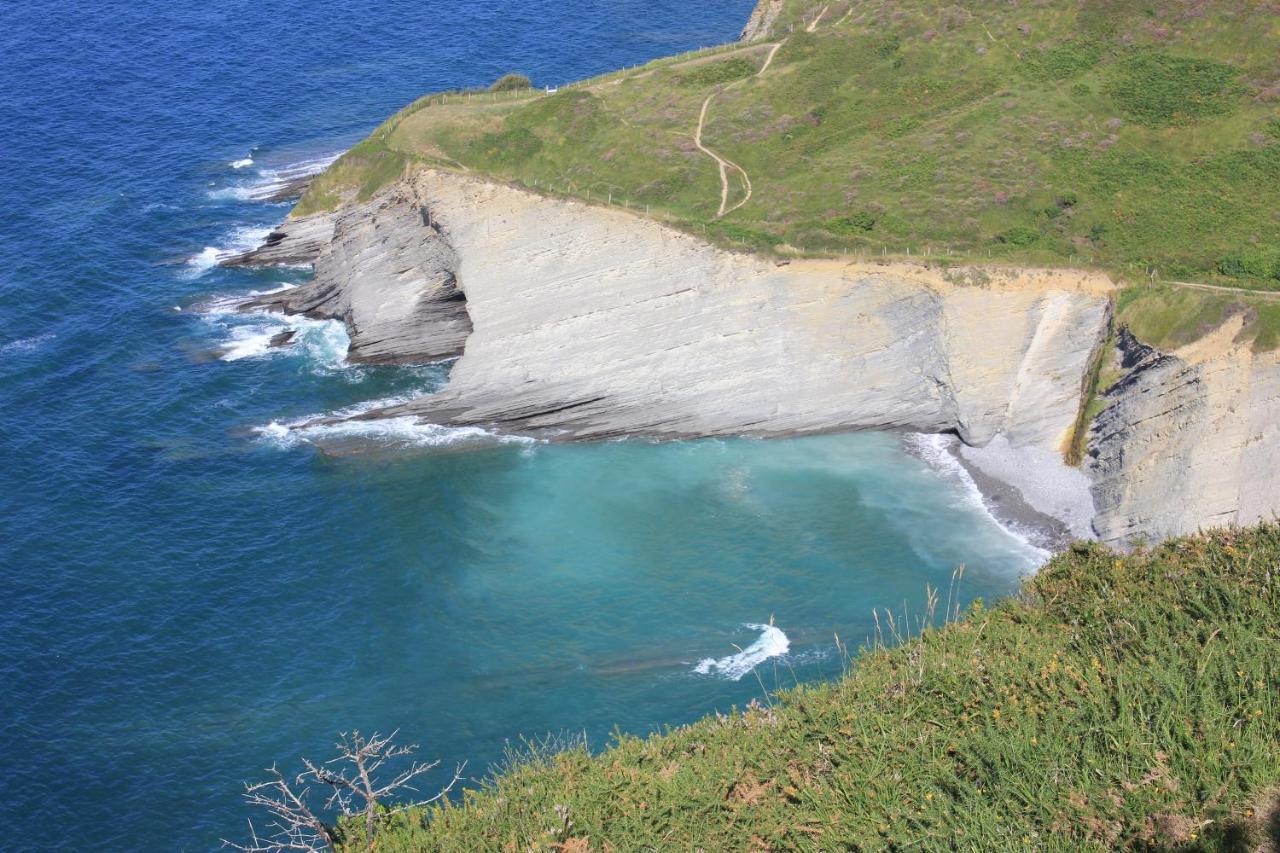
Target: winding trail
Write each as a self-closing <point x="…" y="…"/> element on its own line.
<point x="1268" y="295"/>
<point x="768" y="59"/>
<point x="725" y="165"/>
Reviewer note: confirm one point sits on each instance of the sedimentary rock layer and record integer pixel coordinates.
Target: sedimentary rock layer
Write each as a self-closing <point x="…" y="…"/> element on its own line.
<point x="1189" y="439"/>
<point x="590" y="322"/>
<point x="384" y="271"/>
<point x="295" y="241"/>
<point x="576" y="321"/>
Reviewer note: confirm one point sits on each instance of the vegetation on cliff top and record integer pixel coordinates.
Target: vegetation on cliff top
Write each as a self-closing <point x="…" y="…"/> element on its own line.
<point x="1128" y="134"/>
<point x="1121" y="701"/>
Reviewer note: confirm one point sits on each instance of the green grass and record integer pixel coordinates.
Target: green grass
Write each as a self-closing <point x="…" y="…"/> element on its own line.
<point x="950" y="130"/>
<point x="1169" y="317"/>
<point x="1119" y="702"/>
<point x="1101" y="375"/>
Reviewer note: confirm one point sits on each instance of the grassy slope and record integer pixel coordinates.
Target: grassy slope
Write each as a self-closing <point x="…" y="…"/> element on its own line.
<point x="1122" y="701"/>
<point x="1127" y="134"/>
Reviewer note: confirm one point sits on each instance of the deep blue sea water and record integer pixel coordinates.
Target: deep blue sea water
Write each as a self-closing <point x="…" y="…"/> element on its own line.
<point x="185" y="599"/>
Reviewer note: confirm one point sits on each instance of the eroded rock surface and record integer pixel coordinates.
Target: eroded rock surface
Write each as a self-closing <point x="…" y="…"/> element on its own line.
<point x="1190" y="439"/>
<point x="590" y="322"/>
<point x="587" y="322"/>
<point x="384" y="271"/>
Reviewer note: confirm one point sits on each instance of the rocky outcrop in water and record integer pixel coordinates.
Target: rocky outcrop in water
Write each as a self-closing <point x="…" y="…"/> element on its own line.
<point x="384" y="271"/>
<point x="294" y="242"/>
<point x="1189" y="439"/>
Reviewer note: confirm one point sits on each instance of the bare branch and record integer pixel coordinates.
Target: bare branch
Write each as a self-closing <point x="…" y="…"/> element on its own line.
<point x="354" y="791"/>
<point x="293" y="826"/>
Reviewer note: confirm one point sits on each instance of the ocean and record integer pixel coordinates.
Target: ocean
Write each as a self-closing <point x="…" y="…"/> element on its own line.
<point x="190" y="594"/>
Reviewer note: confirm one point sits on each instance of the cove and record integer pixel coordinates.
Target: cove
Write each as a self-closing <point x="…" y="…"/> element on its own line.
<point x="188" y="598"/>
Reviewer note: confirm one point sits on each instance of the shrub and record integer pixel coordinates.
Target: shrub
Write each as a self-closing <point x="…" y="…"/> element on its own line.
<point x="1020" y="235"/>
<point x="854" y="223"/>
<point x="1156" y="89"/>
<point x="509" y="82"/>
<point x="1259" y="262"/>
<point x="1064" y="61"/>
<point x="889" y="46"/>
<point x="507" y="147"/>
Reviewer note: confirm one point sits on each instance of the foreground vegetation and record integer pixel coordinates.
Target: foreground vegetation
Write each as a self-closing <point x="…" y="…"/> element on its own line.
<point x="1121" y="701"/>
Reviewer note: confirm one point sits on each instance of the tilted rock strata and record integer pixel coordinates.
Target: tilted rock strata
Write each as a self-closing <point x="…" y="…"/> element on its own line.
<point x="387" y="274"/>
<point x="293" y="242"/>
<point x="1189" y="439"/>
<point x="585" y="322"/>
<point x="590" y="322"/>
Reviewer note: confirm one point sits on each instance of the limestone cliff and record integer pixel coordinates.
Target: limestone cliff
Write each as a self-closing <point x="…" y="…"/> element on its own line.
<point x="590" y="322"/>
<point x="1189" y="439"/>
<point x="383" y="270"/>
<point x="585" y="322"/>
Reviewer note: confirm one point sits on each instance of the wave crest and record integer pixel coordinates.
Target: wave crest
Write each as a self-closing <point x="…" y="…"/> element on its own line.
<point x="771" y="643"/>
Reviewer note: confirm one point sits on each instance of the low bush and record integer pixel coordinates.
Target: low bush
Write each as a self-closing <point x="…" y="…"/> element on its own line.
<point x="722" y="71"/>
<point x="1063" y="61"/>
<point x="1157" y="89"/>
<point x="511" y="82"/>
<point x="1020" y="235"/>
<point x="1261" y="262"/>
<point x="855" y="223"/>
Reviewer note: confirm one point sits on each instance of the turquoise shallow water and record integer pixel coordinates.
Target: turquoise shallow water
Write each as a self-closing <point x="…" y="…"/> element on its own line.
<point x="187" y="598"/>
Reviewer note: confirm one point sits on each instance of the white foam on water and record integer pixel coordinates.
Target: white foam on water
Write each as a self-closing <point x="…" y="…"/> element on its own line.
<point x="935" y="450"/>
<point x="405" y="431"/>
<point x="771" y="643"/>
<point x="270" y="181"/>
<point x="241" y="164"/>
<point x="25" y="344"/>
<point x="248" y="335"/>
<point x="237" y="241"/>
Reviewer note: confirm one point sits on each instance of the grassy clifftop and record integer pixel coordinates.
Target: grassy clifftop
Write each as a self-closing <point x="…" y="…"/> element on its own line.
<point x="1120" y="702"/>
<point x="1128" y="134"/>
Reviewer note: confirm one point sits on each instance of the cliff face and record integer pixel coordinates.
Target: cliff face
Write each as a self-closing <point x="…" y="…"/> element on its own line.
<point x="584" y="322"/>
<point x="591" y="322"/>
<point x="1190" y="439"/>
<point x="763" y="16"/>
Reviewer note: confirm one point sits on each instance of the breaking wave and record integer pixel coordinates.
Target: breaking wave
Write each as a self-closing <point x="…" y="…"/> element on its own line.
<point x="248" y="335"/>
<point x="238" y="241"/>
<point x="25" y="344"/>
<point x="771" y="643"/>
<point x="404" y="431"/>
<point x="935" y="450"/>
<point x="267" y="183"/>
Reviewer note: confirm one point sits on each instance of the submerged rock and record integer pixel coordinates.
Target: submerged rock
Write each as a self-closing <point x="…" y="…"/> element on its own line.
<point x="283" y="339"/>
